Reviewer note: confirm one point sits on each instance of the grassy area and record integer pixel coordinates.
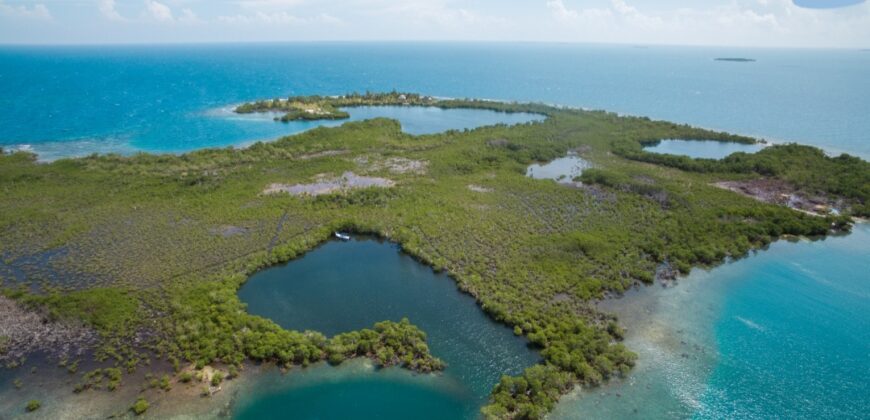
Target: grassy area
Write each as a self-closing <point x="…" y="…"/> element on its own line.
<point x="172" y="237"/>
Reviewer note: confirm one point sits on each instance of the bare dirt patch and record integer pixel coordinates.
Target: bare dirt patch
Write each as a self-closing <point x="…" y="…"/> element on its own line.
<point x="326" y="185"/>
<point x="24" y="331"/>
<point x="228" y="231"/>
<point x="478" y="188"/>
<point x="498" y="142"/>
<point x="396" y="165"/>
<point x="779" y="192"/>
<point x="324" y="153"/>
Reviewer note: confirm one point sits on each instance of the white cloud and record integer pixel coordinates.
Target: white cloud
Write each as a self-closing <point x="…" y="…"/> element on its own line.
<point x="188" y="16"/>
<point x="159" y="11"/>
<point x="440" y="13"/>
<point x="263" y="5"/>
<point x="735" y="22"/>
<point x="108" y="10"/>
<point x="37" y="11"/>
<point x="327" y="18"/>
<point x="560" y="11"/>
<point x="279" y="18"/>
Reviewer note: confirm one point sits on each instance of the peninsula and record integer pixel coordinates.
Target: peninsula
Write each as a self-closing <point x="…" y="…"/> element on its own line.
<point x="133" y="263"/>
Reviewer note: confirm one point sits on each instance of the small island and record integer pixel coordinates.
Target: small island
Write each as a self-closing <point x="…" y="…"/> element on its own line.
<point x="735" y="59"/>
<point x="313" y="108"/>
<point x="116" y="266"/>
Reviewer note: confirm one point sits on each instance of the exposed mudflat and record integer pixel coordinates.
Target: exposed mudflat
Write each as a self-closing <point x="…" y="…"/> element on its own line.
<point x="326" y="185"/>
<point x="23" y="331"/>
<point x="779" y="192"/>
<point x="478" y="188"/>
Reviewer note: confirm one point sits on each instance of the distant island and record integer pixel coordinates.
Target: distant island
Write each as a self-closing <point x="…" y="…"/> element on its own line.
<point x="313" y="108"/>
<point x="735" y="59"/>
<point x="113" y="266"/>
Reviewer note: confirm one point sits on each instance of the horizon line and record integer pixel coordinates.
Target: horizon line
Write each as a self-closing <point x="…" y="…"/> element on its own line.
<point x="421" y="41"/>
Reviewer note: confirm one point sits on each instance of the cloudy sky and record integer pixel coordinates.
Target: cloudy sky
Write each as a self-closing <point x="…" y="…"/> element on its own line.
<point x="790" y="23"/>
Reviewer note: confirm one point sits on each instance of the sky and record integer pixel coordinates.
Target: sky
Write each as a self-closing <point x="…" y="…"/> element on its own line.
<point x="753" y="23"/>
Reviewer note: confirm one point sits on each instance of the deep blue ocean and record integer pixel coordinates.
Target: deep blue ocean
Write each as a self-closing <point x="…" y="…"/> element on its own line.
<point x="780" y="334"/>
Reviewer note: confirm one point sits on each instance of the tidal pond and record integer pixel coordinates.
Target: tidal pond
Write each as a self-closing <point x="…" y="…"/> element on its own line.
<point x="563" y="169"/>
<point x="420" y="120"/>
<point x="344" y="286"/>
<point x="416" y="120"/>
<point x="708" y="149"/>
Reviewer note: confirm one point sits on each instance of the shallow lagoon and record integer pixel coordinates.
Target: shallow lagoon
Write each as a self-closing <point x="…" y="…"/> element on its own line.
<point x="563" y="169"/>
<point x="707" y="149"/>
<point x="781" y="333"/>
<point x="343" y="286"/>
<point x="419" y="120"/>
<point x="416" y="120"/>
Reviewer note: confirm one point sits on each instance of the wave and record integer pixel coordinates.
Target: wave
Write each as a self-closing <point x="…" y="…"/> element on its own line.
<point x="54" y="150"/>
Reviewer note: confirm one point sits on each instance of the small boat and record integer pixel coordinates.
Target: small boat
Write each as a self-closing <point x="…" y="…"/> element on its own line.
<point x="342" y="236"/>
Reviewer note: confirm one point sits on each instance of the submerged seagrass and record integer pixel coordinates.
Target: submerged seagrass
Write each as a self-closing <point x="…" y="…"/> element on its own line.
<point x="149" y="231"/>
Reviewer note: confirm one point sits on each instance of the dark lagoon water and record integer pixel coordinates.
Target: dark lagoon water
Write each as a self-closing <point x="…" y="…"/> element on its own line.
<point x="345" y="286"/>
<point x="701" y="148"/>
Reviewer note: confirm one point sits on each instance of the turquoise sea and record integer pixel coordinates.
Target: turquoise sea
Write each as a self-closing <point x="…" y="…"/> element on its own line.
<point x="781" y="334"/>
<point x="65" y="100"/>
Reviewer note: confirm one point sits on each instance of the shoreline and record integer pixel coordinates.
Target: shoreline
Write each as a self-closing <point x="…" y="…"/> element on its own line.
<point x="228" y="112"/>
<point x="556" y="325"/>
<point x="661" y="320"/>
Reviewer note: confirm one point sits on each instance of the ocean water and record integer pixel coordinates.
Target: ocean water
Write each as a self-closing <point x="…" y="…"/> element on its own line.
<point x="76" y="100"/>
<point x="702" y="149"/>
<point x="345" y="286"/>
<point x="780" y="334"/>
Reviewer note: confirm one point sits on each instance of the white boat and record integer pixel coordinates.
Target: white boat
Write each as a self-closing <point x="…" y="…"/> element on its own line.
<point x="342" y="236"/>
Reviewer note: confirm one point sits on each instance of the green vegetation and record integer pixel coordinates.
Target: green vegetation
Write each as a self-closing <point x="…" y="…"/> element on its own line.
<point x="95" y="380"/>
<point x="140" y="406"/>
<point x="33" y="405"/>
<point x="208" y="324"/>
<point x="217" y="378"/>
<point x="322" y="107"/>
<point x="312" y="108"/>
<point x="806" y="167"/>
<point x="108" y="310"/>
<point x="161" y="243"/>
<point x="295" y="109"/>
<point x="389" y="343"/>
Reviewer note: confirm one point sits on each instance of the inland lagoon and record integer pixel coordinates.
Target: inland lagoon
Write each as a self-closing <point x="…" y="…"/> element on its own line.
<point x="707" y="149"/>
<point x="345" y="286"/>
<point x="563" y="169"/>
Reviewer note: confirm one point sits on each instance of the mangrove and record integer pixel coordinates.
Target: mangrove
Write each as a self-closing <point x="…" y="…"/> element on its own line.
<point x="148" y="251"/>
